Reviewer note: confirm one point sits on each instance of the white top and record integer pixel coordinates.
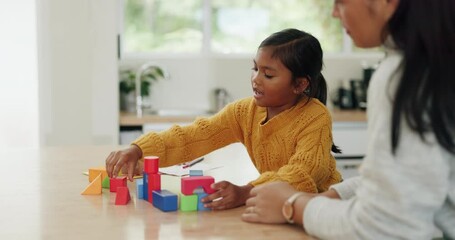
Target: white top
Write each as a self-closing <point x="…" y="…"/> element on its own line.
<point x="402" y="196"/>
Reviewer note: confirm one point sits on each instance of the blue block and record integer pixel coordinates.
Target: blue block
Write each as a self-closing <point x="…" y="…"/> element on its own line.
<point x="145" y="187"/>
<point x="165" y="200"/>
<point x="200" y="205"/>
<point x="196" y="173"/>
<point x="140" y="188"/>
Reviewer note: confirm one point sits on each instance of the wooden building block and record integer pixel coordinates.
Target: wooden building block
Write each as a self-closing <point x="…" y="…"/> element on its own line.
<point x="94" y="188"/>
<point x="188" y="184"/>
<point x="200" y="204"/>
<point x="123" y="196"/>
<point x="153" y="184"/>
<point x="106" y="182"/>
<point x="195" y="173"/>
<point x="140" y="188"/>
<point x="95" y="171"/>
<point x="151" y="164"/>
<point x="165" y="200"/>
<point x="145" y="187"/>
<point x="117" y="182"/>
<point x="188" y="202"/>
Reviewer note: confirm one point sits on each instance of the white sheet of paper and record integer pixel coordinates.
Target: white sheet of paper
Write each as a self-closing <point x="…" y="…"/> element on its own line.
<point x="178" y="170"/>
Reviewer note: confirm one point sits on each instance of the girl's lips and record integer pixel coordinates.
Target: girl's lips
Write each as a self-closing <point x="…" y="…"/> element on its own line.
<point x="257" y="93"/>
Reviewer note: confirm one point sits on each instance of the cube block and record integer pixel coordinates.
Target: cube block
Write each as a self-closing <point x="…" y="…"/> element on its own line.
<point x="117" y="182"/>
<point x="188" y="203"/>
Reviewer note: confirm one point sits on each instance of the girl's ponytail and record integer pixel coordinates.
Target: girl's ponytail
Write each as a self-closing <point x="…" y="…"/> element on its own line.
<point x="319" y="88"/>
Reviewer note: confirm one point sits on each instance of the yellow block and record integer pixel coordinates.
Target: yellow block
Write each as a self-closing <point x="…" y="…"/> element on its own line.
<point x="94" y="188"/>
<point x="94" y="172"/>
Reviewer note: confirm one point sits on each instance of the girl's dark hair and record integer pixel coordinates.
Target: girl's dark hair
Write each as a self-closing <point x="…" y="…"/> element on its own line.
<point x="301" y="53"/>
<point x="425" y="32"/>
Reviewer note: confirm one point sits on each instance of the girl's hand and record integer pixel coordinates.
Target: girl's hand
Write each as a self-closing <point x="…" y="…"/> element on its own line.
<point x="127" y="157"/>
<point x="227" y="196"/>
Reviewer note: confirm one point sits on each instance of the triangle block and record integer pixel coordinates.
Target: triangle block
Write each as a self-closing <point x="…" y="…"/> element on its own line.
<point x="123" y="196"/>
<point x="106" y="183"/>
<point x="94" y="188"/>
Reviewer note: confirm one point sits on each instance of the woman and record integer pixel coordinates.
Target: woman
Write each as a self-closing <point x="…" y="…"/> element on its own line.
<point x="406" y="186"/>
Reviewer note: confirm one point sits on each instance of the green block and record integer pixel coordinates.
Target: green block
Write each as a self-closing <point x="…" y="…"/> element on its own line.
<point x="106" y="183"/>
<point x="188" y="203"/>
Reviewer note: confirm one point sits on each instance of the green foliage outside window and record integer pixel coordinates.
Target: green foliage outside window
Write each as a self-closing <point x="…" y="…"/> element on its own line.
<point x="236" y="26"/>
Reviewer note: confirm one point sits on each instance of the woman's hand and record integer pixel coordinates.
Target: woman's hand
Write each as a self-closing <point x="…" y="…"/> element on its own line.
<point x="266" y="202"/>
<point x="227" y="196"/>
<point x="117" y="159"/>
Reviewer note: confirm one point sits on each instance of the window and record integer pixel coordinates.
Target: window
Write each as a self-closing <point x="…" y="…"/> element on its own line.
<point x="223" y="26"/>
<point x="166" y="26"/>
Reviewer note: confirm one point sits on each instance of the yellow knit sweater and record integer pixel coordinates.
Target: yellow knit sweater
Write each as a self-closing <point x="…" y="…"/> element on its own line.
<point x="294" y="146"/>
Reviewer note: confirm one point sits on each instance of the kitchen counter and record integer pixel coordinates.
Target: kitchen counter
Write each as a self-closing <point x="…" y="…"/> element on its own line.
<point x="130" y="119"/>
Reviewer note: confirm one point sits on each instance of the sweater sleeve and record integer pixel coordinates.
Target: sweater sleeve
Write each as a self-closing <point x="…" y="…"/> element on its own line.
<point x="396" y="199"/>
<point x="184" y="143"/>
<point x="347" y="188"/>
<point x="311" y="168"/>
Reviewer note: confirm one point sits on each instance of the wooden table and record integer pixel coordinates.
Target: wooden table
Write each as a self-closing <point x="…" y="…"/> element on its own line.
<point x="40" y="199"/>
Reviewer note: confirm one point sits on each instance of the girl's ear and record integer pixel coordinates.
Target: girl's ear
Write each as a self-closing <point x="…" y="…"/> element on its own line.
<point x="301" y="85"/>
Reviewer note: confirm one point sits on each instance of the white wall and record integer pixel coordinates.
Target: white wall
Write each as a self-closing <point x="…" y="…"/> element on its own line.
<point x="18" y="79"/>
<point x="78" y="91"/>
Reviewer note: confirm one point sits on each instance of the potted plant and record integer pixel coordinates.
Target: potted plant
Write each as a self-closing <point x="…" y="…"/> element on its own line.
<point x="127" y="86"/>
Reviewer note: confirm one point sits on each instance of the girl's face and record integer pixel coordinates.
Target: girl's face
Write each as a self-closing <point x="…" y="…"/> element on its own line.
<point x="272" y="83"/>
<point x="365" y="20"/>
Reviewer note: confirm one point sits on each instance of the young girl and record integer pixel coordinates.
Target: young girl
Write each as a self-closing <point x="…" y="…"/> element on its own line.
<point x="406" y="186"/>
<point x="285" y="126"/>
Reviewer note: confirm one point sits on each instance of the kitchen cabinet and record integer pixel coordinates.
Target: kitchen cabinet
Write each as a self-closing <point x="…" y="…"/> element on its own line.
<point x="349" y="132"/>
<point x="131" y="126"/>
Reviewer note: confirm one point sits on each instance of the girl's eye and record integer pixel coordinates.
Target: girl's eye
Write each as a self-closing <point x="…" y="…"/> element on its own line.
<point x="254" y="69"/>
<point x="268" y="76"/>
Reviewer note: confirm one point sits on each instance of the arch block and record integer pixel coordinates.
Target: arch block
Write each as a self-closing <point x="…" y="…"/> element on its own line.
<point x="188" y="184"/>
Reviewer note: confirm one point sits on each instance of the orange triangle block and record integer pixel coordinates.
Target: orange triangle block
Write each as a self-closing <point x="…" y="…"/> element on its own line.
<point x="94" y="187"/>
<point x="123" y="196"/>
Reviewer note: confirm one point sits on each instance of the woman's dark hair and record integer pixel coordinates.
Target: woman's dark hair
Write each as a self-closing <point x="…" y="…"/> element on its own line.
<point x="425" y="32"/>
<point x="301" y="53"/>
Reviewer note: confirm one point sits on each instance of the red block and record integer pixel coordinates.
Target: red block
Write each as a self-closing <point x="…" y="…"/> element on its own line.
<point x="190" y="183"/>
<point x="123" y="196"/>
<point x="151" y="164"/>
<point x="154" y="184"/>
<point x="117" y="182"/>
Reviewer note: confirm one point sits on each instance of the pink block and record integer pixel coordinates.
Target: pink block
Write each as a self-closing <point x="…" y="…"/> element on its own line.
<point x="190" y="183"/>
<point x="154" y="184"/>
<point x="151" y="164"/>
<point x="117" y="182"/>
